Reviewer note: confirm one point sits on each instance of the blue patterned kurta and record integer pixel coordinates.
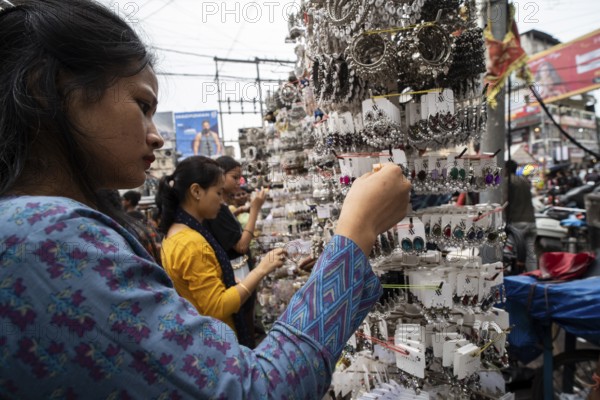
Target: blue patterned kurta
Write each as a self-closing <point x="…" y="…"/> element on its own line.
<point x="85" y="313"/>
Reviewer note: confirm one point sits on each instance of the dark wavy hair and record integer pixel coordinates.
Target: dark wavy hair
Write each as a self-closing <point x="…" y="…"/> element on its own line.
<point x="172" y="189"/>
<point x="228" y="163"/>
<point x="133" y="196"/>
<point x="49" y="50"/>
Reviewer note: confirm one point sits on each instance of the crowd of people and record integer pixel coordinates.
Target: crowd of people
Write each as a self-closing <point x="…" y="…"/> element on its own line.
<point x="570" y="178"/>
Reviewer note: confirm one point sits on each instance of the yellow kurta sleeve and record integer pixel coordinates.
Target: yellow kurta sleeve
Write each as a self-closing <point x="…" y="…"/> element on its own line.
<point x="196" y="274"/>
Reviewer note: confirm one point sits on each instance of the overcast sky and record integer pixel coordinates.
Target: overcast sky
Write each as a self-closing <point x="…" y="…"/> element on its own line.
<point x="249" y="29"/>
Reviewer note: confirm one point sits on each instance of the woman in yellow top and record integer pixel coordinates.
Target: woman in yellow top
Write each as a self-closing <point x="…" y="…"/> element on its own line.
<point x="197" y="264"/>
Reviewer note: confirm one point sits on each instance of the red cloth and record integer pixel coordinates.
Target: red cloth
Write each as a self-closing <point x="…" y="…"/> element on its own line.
<point x="504" y="57"/>
<point x="562" y="266"/>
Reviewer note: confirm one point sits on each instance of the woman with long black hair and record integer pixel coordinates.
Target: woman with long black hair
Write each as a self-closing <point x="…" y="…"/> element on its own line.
<point x="200" y="268"/>
<point x="85" y="310"/>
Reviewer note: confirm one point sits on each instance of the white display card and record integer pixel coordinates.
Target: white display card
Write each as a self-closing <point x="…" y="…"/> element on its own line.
<point x="383" y="328"/>
<point x="367" y="106"/>
<point x="418" y="164"/>
<point x="332" y="123"/>
<point x="347" y="123"/>
<point x="413" y="112"/>
<point x="425" y="111"/>
<point x="413" y="362"/>
<point x="432" y="103"/>
<point x="426" y="219"/>
<point x="484" y="221"/>
<point x="435" y="220"/>
<point x="450" y="161"/>
<point x="467" y="283"/>
<point x="477" y="169"/>
<point x="365" y="165"/>
<point x="484" y="287"/>
<point x="436" y="298"/>
<point x="406" y="231"/>
<point x="500" y="316"/>
<point x="433" y="162"/>
<point x="399" y="157"/>
<point x="447" y="105"/>
<point x="323" y="212"/>
<point x="450" y="347"/>
<point x="406" y="332"/>
<point x="384" y="354"/>
<point x="345" y="167"/>
<point x="446" y="222"/>
<point x="438" y="340"/>
<point x="488" y="165"/>
<point x="389" y="108"/>
<point x="465" y="361"/>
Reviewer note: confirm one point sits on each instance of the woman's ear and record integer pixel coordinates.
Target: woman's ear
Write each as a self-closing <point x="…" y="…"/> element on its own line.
<point x="196" y="191"/>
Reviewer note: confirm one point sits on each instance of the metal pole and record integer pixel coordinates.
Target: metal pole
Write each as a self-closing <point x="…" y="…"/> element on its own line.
<point x="509" y="142"/>
<point x="547" y="152"/>
<point x="221" y="129"/>
<point x="494" y="137"/>
<point x="260" y="97"/>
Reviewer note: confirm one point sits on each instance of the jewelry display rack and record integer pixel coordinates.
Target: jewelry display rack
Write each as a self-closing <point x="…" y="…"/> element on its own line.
<point x="399" y="81"/>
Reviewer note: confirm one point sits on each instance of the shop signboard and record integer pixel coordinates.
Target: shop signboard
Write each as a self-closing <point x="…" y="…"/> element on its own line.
<point x="567" y="69"/>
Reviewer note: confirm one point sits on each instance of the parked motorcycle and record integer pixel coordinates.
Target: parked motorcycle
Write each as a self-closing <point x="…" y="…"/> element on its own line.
<point x="575" y="197"/>
<point x="556" y="229"/>
<point x="514" y="251"/>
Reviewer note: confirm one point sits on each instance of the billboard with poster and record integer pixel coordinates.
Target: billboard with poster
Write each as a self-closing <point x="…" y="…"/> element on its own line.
<point x="197" y="133"/>
<point x="567" y="69"/>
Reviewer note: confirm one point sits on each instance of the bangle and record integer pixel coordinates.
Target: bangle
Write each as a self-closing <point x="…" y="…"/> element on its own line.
<point x="250" y="232"/>
<point x="245" y="288"/>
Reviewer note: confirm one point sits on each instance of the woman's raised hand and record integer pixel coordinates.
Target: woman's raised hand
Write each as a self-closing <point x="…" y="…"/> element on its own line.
<point x="374" y="204"/>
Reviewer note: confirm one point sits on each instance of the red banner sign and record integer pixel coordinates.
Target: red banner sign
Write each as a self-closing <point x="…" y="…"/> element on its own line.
<point x="567" y="69"/>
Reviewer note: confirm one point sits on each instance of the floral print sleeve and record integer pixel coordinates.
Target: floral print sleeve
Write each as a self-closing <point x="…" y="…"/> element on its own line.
<point x="85" y="313"/>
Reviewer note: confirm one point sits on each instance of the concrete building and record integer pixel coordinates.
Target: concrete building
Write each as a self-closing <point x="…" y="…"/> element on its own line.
<point x="532" y="128"/>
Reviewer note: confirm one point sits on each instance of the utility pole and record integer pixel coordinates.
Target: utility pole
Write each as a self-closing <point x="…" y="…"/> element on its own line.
<point x="239" y="103"/>
<point x="493" y="139"/>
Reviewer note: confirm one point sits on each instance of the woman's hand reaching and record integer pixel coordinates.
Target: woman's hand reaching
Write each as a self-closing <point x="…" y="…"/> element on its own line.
<point x="271" y="261"/>
<point x="374" y="204"/>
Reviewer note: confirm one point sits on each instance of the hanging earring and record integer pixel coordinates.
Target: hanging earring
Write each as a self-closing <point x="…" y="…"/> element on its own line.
<point x="407" y="245"/>
<point x="418" y="244"/>
<point x="479" y="234"/>
<point x="459" y="231"/>
<point x="471" y="234"/>
<point x="448" y="231"/>
<point x="436" y="231"/>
